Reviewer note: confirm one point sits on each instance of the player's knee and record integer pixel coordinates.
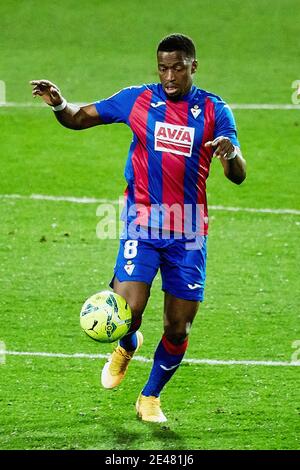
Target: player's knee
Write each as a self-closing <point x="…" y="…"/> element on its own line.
<point x="176" y="334"/>
<point x="137" y="309"/>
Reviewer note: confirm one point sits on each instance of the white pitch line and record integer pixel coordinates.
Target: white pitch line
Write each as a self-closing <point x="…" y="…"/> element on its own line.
<point x="254" y="209"/>
<point x="212" y="362"/>
<point x="46" y="197"/>
<point x="93" y="200"/>
<point x="255" y="106"/>
<point x="263" y="106"/>
<point x="29" y="104"/>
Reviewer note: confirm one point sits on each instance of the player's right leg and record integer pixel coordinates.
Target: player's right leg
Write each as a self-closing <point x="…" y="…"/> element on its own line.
<point x="135" y="269"/>
<point x="136" y="295"/>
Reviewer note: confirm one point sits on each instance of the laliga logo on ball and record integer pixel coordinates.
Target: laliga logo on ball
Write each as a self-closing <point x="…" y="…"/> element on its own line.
<point x="105" y="317"/>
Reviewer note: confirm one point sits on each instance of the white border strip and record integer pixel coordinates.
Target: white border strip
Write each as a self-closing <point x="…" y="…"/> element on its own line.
<point x="267" y="106"/>
<point x="212" y="362"/>
<point x="93" y="200"/>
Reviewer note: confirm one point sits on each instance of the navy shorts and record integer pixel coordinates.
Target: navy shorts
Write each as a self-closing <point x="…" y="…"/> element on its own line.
<point x="182" y="264"/>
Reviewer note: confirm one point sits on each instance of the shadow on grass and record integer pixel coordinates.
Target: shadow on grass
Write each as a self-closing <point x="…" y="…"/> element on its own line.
<point x="168" y="438"/>
<point x="148" y="436"/>
<point x="124" y="431"/>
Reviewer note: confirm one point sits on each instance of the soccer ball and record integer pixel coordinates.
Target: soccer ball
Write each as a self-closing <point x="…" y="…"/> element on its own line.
<point x="105" y="317"/>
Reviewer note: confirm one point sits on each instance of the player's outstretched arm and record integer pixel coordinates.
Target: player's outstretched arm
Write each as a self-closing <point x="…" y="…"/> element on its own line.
<point x="69" y="115"/>
<point x="231" y="158"/>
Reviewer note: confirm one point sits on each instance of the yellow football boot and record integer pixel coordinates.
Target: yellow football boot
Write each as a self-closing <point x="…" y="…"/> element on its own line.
<point x="116" y="367"/>
<point x="148" y="409"/>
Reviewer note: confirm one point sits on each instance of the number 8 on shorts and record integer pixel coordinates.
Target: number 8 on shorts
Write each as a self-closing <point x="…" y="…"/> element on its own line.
<point x="130" y="249"/>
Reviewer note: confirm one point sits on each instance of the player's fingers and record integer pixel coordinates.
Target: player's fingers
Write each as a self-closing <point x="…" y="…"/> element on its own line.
<point x="49" y="84"/>
<point x="37" y="91"/>
<point x="227" y="149"/>
<point x="41" y="88"/>
<point x="40" y="82"/>
<point x="43" y="84"/>
<point x="224" y="147"/>
<point x="36" y="87"/>
<point x="54" y="91"/>
<point x="216" y="152"/>
<point x="222" y="151"/>
<point x="213" y="143"/>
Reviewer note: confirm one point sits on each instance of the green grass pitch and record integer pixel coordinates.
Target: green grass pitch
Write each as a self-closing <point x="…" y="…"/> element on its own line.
<point x="51" y="259"/>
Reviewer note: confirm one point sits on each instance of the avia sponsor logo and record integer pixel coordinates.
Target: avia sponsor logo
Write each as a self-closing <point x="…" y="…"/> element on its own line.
<point x="174" y="139"/>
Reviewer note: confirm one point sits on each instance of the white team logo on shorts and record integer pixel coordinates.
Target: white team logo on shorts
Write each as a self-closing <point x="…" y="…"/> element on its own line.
<point x="195" y="286"/>
<point x="129" y="268"/>
<point x="174" y="139"/>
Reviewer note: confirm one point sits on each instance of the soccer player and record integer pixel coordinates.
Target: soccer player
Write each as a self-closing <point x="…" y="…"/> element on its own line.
<point x="177" y="129"/>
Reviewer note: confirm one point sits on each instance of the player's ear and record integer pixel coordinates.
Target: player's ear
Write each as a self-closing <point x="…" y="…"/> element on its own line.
<point x="194" y="65"/>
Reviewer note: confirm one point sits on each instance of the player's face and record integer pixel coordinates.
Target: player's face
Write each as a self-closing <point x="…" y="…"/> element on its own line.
<point x="175" y="71"/>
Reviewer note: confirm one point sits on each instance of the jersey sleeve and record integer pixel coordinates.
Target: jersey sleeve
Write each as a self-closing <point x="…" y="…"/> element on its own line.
<point x="117" y="107"/>
<point x="225" y="123"/>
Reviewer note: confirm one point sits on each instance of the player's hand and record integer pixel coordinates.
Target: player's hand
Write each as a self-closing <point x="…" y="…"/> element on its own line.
<point x="49" y="92"/>
<point x="223" y="146"/>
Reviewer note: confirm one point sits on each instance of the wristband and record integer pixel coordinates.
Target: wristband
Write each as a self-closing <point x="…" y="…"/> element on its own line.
<point x="232" y="155"/>
<point x="61" y="106"/>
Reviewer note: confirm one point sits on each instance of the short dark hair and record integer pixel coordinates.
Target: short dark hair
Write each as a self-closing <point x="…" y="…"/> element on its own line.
<point x="177" y="42"/>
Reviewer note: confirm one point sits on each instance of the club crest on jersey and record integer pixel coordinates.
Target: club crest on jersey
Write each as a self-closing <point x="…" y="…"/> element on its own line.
<point x="195" y="111"/>
<point x="174" y="139"/>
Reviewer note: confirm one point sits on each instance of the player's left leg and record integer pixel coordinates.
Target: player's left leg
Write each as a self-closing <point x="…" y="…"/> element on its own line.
<point x="178" y="317"/>
<point x="183" y="269"/>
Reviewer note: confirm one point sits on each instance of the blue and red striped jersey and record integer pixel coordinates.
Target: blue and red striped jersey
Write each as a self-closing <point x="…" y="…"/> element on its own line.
<point x="167" y="163"/>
